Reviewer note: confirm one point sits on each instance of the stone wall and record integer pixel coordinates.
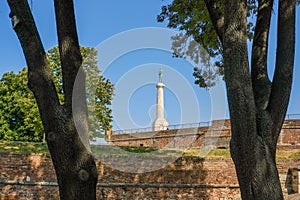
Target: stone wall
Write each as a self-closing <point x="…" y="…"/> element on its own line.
<point x="217" y="136"/>
<point x="31" y="176"/>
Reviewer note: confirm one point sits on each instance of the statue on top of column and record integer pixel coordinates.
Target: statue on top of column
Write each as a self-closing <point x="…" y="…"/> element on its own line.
<point x="160" y="76"/>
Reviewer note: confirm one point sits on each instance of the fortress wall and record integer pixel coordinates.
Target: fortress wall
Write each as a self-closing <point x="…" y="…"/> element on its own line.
<point x="289" y="136"/>
<point x="217" y="136"/>
<point x="31" y="176"/>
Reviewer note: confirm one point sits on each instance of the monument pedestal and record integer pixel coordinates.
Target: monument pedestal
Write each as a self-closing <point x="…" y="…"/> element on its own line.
<point x="160" y="124"/>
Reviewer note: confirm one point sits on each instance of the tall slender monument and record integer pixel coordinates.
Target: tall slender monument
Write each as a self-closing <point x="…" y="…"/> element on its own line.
<point x="160" y="123"/>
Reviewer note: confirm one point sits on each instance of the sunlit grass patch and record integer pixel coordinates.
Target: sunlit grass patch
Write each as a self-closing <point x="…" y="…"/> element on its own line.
<point x="288" y="154"/>
<point x="131" y="150"/>
<point x="26" y="147"/>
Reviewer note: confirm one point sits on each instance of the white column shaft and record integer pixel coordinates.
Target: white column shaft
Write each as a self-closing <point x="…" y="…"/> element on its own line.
<point x="160" y="123"/>
<point x="160" y="102"/>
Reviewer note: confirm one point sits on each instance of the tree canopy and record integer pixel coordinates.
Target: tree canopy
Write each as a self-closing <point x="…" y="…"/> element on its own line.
<point x="19" y="115"/>
<point x="199" y="39"/>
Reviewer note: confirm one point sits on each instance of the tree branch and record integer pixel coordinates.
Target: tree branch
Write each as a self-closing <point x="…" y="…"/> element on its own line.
<point x="70" y="56"/>
<point x="283" y="75"/>
<point x="73" y="74"/>
<point x="259" y="74"/>
<point x="217" y="17"/>
<point x="39" y="76"/>
<point x="239" y="91"/>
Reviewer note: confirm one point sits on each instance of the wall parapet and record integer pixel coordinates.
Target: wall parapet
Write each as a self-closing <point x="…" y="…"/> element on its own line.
<point x="216" y="135"/>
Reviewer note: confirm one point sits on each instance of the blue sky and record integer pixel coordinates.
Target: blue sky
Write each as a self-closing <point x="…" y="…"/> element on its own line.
<point x="134" y="72"/>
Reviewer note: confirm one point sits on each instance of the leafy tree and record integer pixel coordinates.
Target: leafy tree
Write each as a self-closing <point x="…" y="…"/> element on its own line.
<point x="19" y="115"/>
<point x="199" y="36"/>
<point x="257" y="104"/>
<point x="20" y="119"/>
<point x="99" y="90"/>
<point x="68" y="144"/>
<point x="200" y="41"/>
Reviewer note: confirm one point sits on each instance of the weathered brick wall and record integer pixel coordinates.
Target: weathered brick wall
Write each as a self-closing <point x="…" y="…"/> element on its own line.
<point x="217" y="135"/>
<point x="28" y="192"/>
<point x="19" y="166"/>
<point x="26" y="176"/>
<point x="31" y="176"/>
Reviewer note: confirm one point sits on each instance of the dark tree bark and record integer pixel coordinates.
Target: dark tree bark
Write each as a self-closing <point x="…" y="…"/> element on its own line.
<point x="73" y="162"/>
<point x="257" y="105"/>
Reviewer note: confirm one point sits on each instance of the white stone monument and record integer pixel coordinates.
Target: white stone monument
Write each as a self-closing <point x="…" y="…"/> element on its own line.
<point x="160" y="123"/>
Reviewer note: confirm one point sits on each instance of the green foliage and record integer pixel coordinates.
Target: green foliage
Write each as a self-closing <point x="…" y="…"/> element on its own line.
<point x="54" y="63"/>
<point x="99" y="90"/>
<point x="198" y="40"/>
<point x="192" y="17"/>
<point x="99" y="93"/>
<point x="19" y="114"/>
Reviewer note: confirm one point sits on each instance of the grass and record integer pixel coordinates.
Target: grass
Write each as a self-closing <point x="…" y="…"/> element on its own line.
<point x="288" y="154"/>
<point x="139" y="151"/>
<point x="214" y="153"/>
<point x="30" y="147"/>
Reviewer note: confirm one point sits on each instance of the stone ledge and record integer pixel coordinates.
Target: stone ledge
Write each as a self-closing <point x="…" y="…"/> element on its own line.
<point x="28" y="183"/>
<point x="165" y="185"/>
<point x="126" y="185"/>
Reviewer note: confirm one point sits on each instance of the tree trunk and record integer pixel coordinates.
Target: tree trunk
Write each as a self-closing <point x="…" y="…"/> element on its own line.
<point x="260" y="180"/>
<point x="70" y="152"/>
<point x="74" y="165"/>
<point x="264" y="182"/>
<point x="257" y="106"/>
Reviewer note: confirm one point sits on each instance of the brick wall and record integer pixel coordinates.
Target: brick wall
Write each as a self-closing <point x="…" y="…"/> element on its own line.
<point x="31" y="176"/>
<point x="217" y="135"/>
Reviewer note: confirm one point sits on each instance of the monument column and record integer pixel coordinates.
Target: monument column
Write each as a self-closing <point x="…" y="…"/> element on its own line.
<point x="160" y="123"/>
